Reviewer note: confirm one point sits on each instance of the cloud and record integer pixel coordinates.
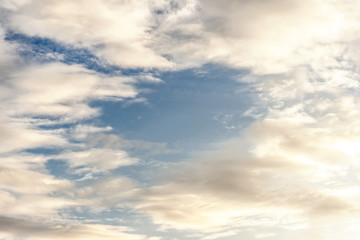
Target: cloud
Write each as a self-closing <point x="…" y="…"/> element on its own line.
<point x="51" y="94"/>
<point x="38" y="101"/>
<point x="122" y="41"/>
<point x="66" y="93"/>
<point x="107" y="192"/>
<point x="19" y="136"/>
<point x="82" y="131"/>
<point x="17" y="177"/>
<point x="266" y="37"/>
<point x="24" y="180"/>
<point x="98" y="158"/>
<point x="19" y="228"/>
<point x="280" y="170"/>
<point x="7" y="56"/>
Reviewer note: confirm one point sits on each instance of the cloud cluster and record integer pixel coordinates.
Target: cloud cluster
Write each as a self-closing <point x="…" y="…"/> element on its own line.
<point x="23" y="181"/>
<point x="265" y="36"/>
<point x="285" y="170"/>
<point x="116" y="31"/>
<point x="298" y="164"/>
<point x="67" y="92"/>
<point x="295" y="168"/>
<point x="38" y="102"/>
<point x="268" y="37"/>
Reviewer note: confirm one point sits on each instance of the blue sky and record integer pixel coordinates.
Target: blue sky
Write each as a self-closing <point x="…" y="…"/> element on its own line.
<point x="185" y="107"/>
<point x="179" y="120"/>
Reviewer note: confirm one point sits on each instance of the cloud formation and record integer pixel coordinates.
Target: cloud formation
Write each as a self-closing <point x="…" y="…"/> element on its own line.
<point x="293" y="170"/>
<point x="285" y="171"/>
<point x="38" y="101"/>
<point x="118" y="40"/>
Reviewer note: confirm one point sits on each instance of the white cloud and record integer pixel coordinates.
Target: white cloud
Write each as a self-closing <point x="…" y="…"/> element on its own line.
<point x="34" y="95"/>
<point x="81" y="131"/>
<point x="64" y="90"/>
<point x="19" y="136"/>
<point x="265" y="36"/>
<point x="95" y="25"/>
<point x="268" y="37"/>
<point x="24" y="180"/>
<point x="17" y="177"/>
<point x="52" y="94"/>
<point x="101" y="159"/>
<point x="280" y="170"/>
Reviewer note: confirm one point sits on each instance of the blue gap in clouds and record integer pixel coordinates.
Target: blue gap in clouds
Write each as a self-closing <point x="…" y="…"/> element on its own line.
<point x="58" y="168"/>
<point x="183" y="110"/>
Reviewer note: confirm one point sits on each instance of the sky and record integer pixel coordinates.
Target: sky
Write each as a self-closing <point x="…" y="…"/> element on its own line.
<point x="179" y="119"/>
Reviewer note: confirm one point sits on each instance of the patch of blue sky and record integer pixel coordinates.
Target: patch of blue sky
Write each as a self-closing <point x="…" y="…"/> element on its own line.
<point x="190" y="109"/>
<point x="44" y="150"/>
<point x="59" y="169"/>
